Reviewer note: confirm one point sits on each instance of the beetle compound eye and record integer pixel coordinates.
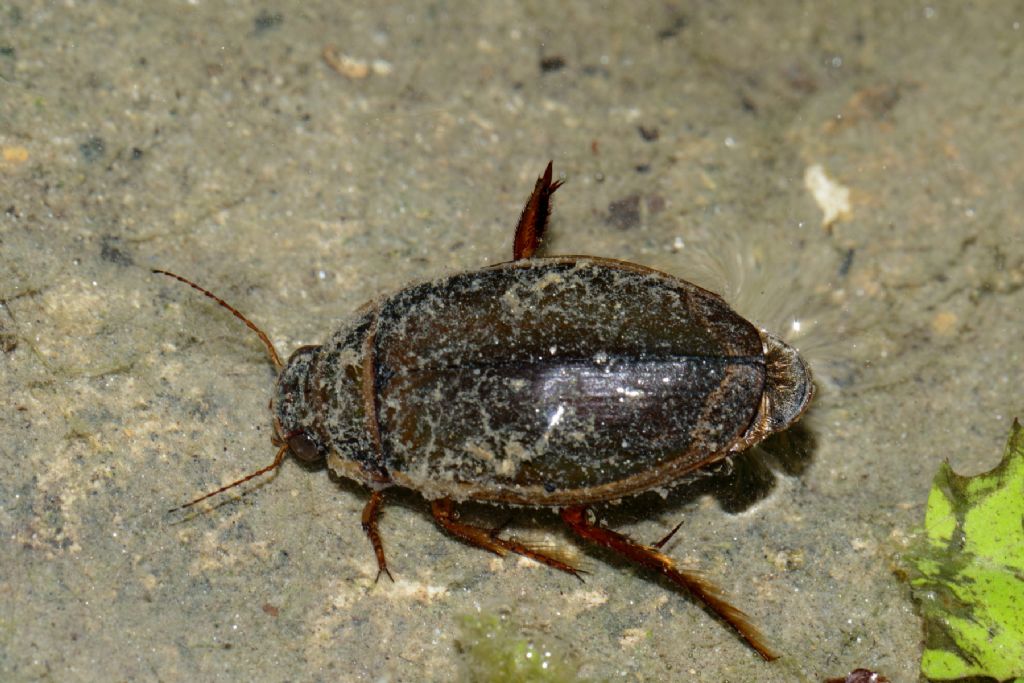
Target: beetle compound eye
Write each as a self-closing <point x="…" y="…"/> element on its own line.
<point x="303" y="448"/>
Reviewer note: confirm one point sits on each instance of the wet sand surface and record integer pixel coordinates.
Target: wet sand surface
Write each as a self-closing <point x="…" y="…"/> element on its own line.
<point x="848" y="175"/>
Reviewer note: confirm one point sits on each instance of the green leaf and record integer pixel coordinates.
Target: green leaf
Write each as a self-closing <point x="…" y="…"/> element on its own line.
<point x="969" y="577"/>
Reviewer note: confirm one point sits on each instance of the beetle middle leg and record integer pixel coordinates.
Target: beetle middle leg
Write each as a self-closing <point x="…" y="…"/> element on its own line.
<point x="370" y="514"/>
<point x="578" y="519"/>
<point x="444" y="512"/>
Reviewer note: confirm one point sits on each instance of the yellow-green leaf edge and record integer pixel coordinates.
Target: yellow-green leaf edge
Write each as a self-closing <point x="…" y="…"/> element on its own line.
<point x="969" y="576"/>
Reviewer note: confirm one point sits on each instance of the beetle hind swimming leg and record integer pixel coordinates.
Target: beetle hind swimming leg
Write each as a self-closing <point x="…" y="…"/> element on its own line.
<point x="651" y="558"/>
<point x="534" y="219"/>
<point x="488" y="539"/>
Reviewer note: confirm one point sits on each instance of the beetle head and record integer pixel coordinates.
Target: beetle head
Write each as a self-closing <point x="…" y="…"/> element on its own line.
<point x="291" y="408"/>
<point x="275" y="359"/>
<point x="288" y="407"/>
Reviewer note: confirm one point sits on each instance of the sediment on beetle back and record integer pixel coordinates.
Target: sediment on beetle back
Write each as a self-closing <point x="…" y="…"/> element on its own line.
<point x="542" y="382"/>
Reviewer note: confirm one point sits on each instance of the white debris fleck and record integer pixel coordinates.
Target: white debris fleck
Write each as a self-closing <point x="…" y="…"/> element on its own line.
<point x="556" y="417"/>
<point x="833" y="199"/>
<point x="631" y="637"/>
<point x="351" y="67"/>
<point x="382" y="67"/>
<point x="590" y="599"/>
<point x="417" y="590"/>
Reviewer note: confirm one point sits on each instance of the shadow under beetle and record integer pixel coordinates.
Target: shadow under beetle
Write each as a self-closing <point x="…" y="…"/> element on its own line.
<point x="544" y="382"/>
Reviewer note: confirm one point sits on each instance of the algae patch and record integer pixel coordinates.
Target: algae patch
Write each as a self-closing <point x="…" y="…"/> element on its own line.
<point x="497" y="651"/>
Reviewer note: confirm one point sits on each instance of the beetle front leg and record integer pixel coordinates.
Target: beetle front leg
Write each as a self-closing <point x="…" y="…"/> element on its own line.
<point x="579" y="521"/>
<point x="488" y="539"/>
<point x="370" y="514"/>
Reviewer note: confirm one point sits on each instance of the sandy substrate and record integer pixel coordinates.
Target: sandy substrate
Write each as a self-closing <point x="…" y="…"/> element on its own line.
<point x="218" y="142"/>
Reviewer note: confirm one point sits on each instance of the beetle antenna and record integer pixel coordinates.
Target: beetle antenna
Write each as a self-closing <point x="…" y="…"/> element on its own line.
<point x="278" y="459"/>
<point x="274" y="358"/>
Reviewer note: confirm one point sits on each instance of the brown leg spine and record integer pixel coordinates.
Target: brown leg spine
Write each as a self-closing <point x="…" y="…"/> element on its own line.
<point x="667" y="537"/>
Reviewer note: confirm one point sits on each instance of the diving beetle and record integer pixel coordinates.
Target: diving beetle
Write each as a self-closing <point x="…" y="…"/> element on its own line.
<point x="554" y="382"/>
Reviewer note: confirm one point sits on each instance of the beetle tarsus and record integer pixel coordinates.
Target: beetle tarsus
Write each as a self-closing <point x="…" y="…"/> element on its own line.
<point x="370" y="514"/>
<point x="651" y="558"/>
<point x="444" y="512"/>
<point x="534" y="219"/>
